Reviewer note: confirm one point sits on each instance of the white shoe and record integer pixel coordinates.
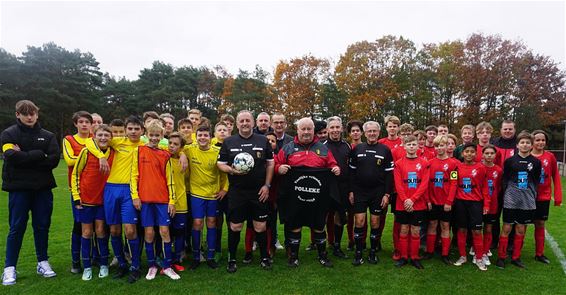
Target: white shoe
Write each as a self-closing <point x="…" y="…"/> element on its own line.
<point x="489" y="253"/>
<point x="9" y="276"/>
<point x="171" y="273"/>
<point x="481" y="265"/>
<point x="44" y="269"/>
<point x="461" y="261"/>
<point x="254" y="247"/>
<point x="87" y="274"/>
<point x="103" y="271"/>
<point x="151" y="273"/>
<point x="114" y="262"/>
<point x="472" y="252"/>
<point x="485" y="260"/>
<point x="202" y="258"/>
<point x="278" y="245"/>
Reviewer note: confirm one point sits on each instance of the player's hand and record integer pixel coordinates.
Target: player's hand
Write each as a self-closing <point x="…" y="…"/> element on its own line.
<point x="385" y="201"/>
<point x="429" y="206"/>
<point x="263" y="193"/>
<point x="485" y="211"/>
<point x="283" y="169"/>
<point x="137" y="204"/>
<point x="16" y="148"/>
<point x="221" y="194"/>
<point x="233" y="171"/>
<point x="447" y="208"/>
<point x="103" y="166"/>
<point x="78" y="204"/>
<point x="184" y="162"/>
<point x="335" y="170"/>
<point x="351" y="198"/>
<point x="171" y="210"/>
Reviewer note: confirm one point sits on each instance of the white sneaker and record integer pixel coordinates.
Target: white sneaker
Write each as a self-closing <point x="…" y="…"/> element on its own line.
<point x="489" y="253"/>
<point x="114" y="262"/>
<point x="254" y="246"/>
<point x="278" y="245"/>
<point x="481" y="265"/>
<point x="151" y="273"/>
<point x="472" y="252"/>
<point x="485" y="260"/>
<point x="44" y="269"/>
<point x="9" y="276"/>
<point x="87" y="274"/>
<point x="103" y="271"/>
<point x="171" y="273"/>
<point x="461" y="261"/>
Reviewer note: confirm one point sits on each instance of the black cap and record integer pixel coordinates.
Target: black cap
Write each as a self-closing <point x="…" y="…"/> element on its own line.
<point x="319" y="125"/>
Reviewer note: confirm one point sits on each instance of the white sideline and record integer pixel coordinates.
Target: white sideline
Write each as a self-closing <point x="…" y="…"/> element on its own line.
<point x="556" y="249"/>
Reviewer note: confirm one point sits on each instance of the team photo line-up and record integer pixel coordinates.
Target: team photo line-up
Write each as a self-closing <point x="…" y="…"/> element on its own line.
<point x="138" y="184"/>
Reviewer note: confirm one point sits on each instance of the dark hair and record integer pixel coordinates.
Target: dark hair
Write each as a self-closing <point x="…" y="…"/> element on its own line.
<point x="135" y="120"/>
<point x="489" y="146"/>
<point x="81" y="114"/>
<point x="103" y="127"/>
<point x="431" y="127"/>
<point x="353" y="123"/>
<point x="117" y="122"/>
<point x="184" y="121"/>
<point x="178" y="135"/>
<point x="228" y="117"/>
<point x="271" y="133"/>
<point x="525" y="135"/>
<point x="203" y="128"/>
<point x="150" y="114"/>
<point x="538" y="131"/>
<point x="469" y="144"/>
<point x="27" y="107"/>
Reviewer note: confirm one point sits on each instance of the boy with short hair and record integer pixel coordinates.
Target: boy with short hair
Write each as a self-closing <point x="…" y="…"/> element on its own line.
<point x="118" y="128"/>
<point x="431" y="131"/>
<point x="185" y="128"/>
<point x="229" y="121"/>
<point x="392" y="126"/>
<point x="153" y="193"/>
<point x="87" y="184"/>
<point x="467" y="133"/>
<point x="494" y="176"/>
<point x="521" y="176"/>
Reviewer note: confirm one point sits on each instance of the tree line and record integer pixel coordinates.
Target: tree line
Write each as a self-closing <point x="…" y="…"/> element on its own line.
<point x="484" y="77"/>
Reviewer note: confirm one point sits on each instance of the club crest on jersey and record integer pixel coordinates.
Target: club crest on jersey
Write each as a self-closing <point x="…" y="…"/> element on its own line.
<point x="258" y="154"/>
<point x="530" y="166"/>
<point x="378" y="162"/>
<point x="445" y="167"/>
<point x="317" y="151"/>
<point x="494" y="175"/>
<point x="418" y="167"/>
<point x="512" y="152"/>
<point x="474" y="172"/>
<point x="545" y="163"/>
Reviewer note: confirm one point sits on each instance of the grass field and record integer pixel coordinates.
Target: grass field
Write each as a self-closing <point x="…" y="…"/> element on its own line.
<point x="309" y="278"/>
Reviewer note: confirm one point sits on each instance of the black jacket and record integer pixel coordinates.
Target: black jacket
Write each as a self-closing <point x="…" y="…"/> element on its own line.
<point x="31" y="168"/>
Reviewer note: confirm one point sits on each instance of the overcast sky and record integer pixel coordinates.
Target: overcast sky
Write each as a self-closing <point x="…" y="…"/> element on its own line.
<point x="127" y="36"/>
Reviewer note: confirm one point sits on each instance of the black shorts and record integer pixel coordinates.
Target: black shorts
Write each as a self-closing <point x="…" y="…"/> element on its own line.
<point x="371" y="198"/>
<point x="415" y="218"/>
<point x="468" y="214"/>
<point x="438" y="213"/>
<point x="490" y="218"/>
<point x="344" y="205"/>
<point x="222" y="206"/>
<point x="244" y="205"/>
<point x="541" y="212"/>
<point x="518" y="216"/>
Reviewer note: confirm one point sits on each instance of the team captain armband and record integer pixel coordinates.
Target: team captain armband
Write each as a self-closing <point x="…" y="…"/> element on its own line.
<point x="453" y="175"/>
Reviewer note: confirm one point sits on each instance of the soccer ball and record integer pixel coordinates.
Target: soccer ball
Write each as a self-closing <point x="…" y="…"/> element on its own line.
<point x="243" y="162"/>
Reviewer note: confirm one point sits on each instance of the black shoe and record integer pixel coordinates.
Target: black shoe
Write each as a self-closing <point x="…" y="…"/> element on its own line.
<point x="500" y="263"/>
<point x="134" y="276"/>
<point x="417" y="263"/>
<point x="518" y="263"/>
<point x="293" y="261"/>
<point x="247" y="258"/>
<point x="265" y="264"/>
<point x="542" y="259"/>
<point x="401" y="262"/>
<point x="339" y="253"/>
<point x="232" y="267"/>
<point x="351" y="246"/>
<point x="378" y="246"/>
<point x="122" y="272"/>
<point x="76" y="267"/>
<point x="212" y="263"/>
<point x="194" y="264"/>
<point x="358" y="260"/>
<point x="447" y="260"/>
<point x="427" y="256"/>
<point x="372" y="258"/>
<point x="324" y="261"/>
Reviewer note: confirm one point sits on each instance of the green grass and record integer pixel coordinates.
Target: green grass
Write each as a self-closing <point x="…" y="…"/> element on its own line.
<point x="309" y="278"/>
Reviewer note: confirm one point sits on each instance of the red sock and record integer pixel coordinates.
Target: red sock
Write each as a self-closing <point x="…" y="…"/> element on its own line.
<point x="517" y="246"/>
<point x="415" y="245"/>
<point x="502" y="250"/>
<point x="250" y="236"/>
<point x="350" y="228"/>
<point x="404" y="246"/>
<point x="330" y="228"/>
<point x="478" y="244"/>
<point x="487" y="237"/>
<point x="462" y="242"/>
<point x="396" y="230"/>
<point x="445" y="246"/>
<point x="539" y="241"/>
<point x="430" y="243"/>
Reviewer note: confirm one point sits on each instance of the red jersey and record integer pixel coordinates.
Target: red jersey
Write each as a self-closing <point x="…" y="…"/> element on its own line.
<point x="314" y="155"/>
<point x="399" y="152"/>
<point x="440" y="183"/>
<point x="471" y="184"/>
<point x="411" y="177"/>
<point x="549" y="170"/>
<point x="429" y="152"/>
<point x="88" y="186"/>
<point x="152" y="178"/>
<point x="479" y="155"/>
<point x="77" y="148"/>
<point x="494" y="176"/>
<point x="391" y="144"/>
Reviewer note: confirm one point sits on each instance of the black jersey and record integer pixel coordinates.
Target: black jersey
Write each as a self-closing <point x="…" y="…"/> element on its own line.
<point x="371" y="166"/>
<point x="341" y="151"/>
<point x="520" y="179"/>
<point x="256" y="145"/>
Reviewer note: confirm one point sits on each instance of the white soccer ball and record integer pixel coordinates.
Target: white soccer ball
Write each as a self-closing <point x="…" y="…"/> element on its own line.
<point x="243" y="162"/>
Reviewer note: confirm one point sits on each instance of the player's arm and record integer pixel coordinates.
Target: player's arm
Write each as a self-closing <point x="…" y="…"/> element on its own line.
<point x="13" y="153"/>
<point x="170" y="182"/>
<point x="453" y="189"/>
<point x="281" y="166"/>
<point x="222" y="162"/>
<point x="389" y="185"/>
<point x="134" y="176"/>
<point x="557" y="185"/>
<point x="332" y="164"/>
<point x="76" y="175"/>
<point x="398" y="178"/>
<point x="422" y="188"/>
<point x="485" y="192"/>
<point x="68" y="153"/>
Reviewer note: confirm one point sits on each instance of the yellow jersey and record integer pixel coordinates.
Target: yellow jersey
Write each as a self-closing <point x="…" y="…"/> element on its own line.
<point x="205" y="179"/>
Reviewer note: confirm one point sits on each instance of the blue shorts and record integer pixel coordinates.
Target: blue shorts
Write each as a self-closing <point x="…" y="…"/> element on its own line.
<point x="118" y="206"/>
<point x="202" y="207"/>
<point x="154" y="215"/>
<point x="180" y="220"/>
<point x="88" y="214"/>
<point x="75" y="211"/>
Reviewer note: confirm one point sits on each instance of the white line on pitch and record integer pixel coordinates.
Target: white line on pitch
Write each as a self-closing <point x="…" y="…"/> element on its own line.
<point x="556" y="249"/>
